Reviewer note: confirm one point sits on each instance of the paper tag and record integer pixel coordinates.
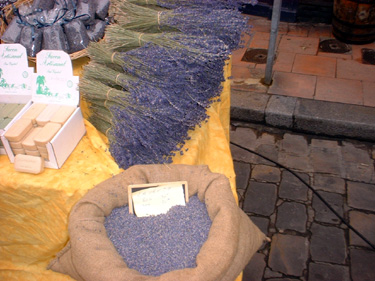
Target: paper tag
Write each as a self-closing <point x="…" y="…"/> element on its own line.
<point x="55" y="89"/>
<point x="54" y="62"/>
<point x="13" y="55"/>
<point x="15" y="74"/>
<point x="157" y="198"/>
<point x="54" y="81"/>
<point x="16" y="81"/>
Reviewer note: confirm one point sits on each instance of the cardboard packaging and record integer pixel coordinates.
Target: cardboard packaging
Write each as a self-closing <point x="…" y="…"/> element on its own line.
<point x="54" y="84"/>
<point x="15" y="81"/>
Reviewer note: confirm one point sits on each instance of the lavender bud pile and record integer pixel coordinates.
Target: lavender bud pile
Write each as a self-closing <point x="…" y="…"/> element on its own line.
<point x="149" y="84"/>
<point x="67" y="25"/>
<point x="159" y="244"/>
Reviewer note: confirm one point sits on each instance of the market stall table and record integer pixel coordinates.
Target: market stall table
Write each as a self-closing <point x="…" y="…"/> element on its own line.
<point x="34" y="209"/>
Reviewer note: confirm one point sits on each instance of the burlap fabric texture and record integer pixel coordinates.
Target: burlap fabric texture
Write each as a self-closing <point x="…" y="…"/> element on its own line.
<point x="90" y="255"/>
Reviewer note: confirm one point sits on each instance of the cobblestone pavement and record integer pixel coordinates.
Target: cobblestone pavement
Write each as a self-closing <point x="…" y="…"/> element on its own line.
<point x="308" y="242"/>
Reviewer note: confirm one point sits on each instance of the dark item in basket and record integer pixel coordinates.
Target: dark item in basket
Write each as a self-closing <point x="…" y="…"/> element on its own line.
<point x="43" y="4"/>
<point x="155" y="245"/>
<point x="96" y="32"/>
<point x="86" y="11"/>
<point x="54" y="38"/>
<point x="65" y="4"/>
<point x="13" y="32"/>
<point x="76" y="35"/>
<point x="102" y="7"/>
<point x="31" y="39"/>
<point x="4" y="3"/>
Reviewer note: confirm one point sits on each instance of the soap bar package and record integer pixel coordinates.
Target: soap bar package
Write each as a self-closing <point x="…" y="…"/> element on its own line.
<point x="15" y="86"/>
<point x="53" y="110"/>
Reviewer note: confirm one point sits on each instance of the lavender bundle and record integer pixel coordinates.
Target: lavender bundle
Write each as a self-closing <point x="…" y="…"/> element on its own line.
<point x="225" y="24"/>
<point x="138" y="134"/>
<point x="157" y="84"/>
<point x="196" y="47"/>
<point x="165" y="69"/>
<point x="148" y="90"/>
<point x="181" y="109"/>
<point x="213" y="4"/>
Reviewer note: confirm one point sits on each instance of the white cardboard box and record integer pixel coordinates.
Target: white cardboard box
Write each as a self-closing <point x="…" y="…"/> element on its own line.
<point x="15" y="79"/>
<point x="54" y="83"/>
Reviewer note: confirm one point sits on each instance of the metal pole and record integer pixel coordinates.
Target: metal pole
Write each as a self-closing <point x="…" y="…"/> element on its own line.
<point x="276" y="9"/>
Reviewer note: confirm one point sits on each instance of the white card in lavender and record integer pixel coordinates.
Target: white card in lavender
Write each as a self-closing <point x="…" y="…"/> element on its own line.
<point x="153" y="201"/>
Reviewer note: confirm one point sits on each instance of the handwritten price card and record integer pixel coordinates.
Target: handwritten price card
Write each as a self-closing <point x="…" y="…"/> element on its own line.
<point x="156" y="198"/>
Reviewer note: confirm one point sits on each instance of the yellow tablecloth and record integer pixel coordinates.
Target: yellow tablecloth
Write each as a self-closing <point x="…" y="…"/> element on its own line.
<point x="34" y="209"/>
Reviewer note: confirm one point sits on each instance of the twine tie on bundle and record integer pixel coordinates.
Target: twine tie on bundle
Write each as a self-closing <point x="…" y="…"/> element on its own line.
<point x="139" y="39"/>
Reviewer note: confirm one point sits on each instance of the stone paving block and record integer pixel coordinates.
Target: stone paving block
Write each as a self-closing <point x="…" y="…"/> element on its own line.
<point x="248" y="79"/>
<point x="335" y="119"/>
<point x="242" y="171"/>
<point x="247" y="106"/>
<point x="299" y="45"/>
<point x="293" y="85"/>
<point x="292" y="188"/>
<point x="322" y="212"/>
<point x="266" y="173"/>
<point x="288" y="254"/>
<point x="326" y="143"/>
<point x="241" y="155"/>
<point x="352" y="69"/>
<point x="362" y="265"/>
<point x="260" y="198"/>
<point x="255" y="268"/>
<point x="324" y="271"/>
<point x="266" y="138"/>
<point x="358" y="163"/>
<point x="284" y="62"/>
<point x="355" y="153"/>
<point x="295" y="144"/>
<point x="361" y="195"/>
<point x="245" y="137"/>
<point x="359" y="172"/>
<point x="328" y="183"/>
<point x="307" y="64"/>
<point x="365" y="225"/>
<point x="291" y="216"/>
<point x="326" y="160"/>
<point x="279" y="111"/>
<point x="334" y="89"/>
<point x="261" y="222"/>
<point x="327" y="244"/>
<point x="295" y="162"/>
<point x="268" y="150"/>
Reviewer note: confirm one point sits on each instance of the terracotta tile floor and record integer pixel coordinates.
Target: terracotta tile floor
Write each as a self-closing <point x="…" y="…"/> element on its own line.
<point x="301" y="69"/>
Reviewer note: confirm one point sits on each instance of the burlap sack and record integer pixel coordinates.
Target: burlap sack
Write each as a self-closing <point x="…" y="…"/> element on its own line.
<point x="90" y="255"/>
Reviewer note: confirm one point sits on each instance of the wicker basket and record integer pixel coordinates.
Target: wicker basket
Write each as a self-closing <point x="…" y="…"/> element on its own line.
<point x="8" y="15"/>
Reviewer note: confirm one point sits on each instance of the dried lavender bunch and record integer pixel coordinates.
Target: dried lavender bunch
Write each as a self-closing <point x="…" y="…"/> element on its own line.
<point x="165" y="69"/>
<point x="181" y="108"/>
<point x="227" y="24"/>
<point x="214" y="4"/>
<point x="197" y="47"/>
<point x="145" y="137"/>
<point x="139" y="133"/>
